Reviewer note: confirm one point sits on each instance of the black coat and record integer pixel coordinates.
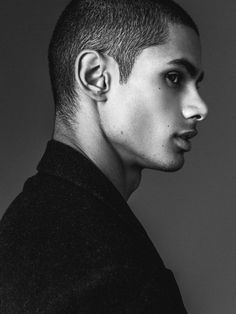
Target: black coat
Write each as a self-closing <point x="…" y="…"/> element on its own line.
<point x="69" y="243"/>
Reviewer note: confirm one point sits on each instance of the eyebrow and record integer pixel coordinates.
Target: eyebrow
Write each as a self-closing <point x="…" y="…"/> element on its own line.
<point x="189" y="67"/>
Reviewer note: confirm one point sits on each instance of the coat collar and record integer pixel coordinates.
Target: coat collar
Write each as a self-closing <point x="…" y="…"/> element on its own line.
<point x="67" y="163"/>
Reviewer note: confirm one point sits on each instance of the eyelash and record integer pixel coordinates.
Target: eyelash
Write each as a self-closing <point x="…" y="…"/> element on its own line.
<point x="176" y="75"/>
<point x="180" y="79"/>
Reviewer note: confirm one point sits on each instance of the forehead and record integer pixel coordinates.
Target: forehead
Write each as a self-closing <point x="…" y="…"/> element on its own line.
<point x="182" y="43"/>
<point x="183" y="40"/>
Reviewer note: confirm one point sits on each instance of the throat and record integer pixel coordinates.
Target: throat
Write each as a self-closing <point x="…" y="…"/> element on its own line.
<point x="133" y="177"/>
<point x="122" y="173"/>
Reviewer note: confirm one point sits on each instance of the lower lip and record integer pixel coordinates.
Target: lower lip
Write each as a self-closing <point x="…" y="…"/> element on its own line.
<point x="183" y="144"/>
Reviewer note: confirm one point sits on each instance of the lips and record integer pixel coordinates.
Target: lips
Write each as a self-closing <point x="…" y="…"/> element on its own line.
<point x="183" y="139"/>
<point x="187" y="135"/>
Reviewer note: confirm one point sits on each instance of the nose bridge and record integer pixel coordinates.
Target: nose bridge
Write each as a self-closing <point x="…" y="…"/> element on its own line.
<point x="195" y="106"/>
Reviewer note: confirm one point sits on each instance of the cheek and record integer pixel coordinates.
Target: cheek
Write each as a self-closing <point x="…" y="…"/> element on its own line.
<point x="140" y="116"/>
<point x="128" y="123"/>
<point x="152" y="117"/>
<point x="148" y="122"/>
<point x="139" y="126"/>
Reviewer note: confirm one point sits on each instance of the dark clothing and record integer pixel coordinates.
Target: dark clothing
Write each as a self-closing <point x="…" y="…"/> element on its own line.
<point x="69" y="243"/>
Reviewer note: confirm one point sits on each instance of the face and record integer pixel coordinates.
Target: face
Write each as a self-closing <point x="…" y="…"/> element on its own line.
<point x="151" y="119"/>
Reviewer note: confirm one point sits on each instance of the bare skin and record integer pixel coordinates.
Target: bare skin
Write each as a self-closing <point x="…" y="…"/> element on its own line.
<point x="145" y="123"/>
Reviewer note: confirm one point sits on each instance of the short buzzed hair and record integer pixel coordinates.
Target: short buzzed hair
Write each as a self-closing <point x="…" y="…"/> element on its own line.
<point x="118" y="28"/>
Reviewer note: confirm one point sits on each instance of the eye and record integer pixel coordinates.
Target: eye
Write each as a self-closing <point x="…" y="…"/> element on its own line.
<point x="174" y="79"/>
<point x="198" y="85"/>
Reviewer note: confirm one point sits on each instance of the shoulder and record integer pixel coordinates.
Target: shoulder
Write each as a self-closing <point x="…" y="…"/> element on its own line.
<point x="71" y="250"/>
<point x="57" y="220"/>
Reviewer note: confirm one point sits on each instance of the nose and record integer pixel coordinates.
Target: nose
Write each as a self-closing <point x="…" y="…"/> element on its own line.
<point x="194" y="107"/>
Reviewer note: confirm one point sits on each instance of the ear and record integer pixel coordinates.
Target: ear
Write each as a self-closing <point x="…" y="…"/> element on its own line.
<point x="91" y="74"/>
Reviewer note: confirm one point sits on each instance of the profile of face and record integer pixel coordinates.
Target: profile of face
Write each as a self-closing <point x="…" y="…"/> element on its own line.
<point x="150" y="120"/>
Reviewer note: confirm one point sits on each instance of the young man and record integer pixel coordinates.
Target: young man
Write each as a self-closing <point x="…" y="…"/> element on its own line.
<point x="125" y="78"/>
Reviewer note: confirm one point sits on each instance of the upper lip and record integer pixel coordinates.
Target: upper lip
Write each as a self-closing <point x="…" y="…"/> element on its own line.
<point x="186" y="135"/>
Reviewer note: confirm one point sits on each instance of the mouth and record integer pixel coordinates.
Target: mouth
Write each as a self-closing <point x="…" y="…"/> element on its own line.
<point x="183" y="139"/>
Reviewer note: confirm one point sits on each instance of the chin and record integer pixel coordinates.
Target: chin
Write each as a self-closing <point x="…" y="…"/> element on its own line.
<point x="173" y="167"/>
<point x="167" y="165"/>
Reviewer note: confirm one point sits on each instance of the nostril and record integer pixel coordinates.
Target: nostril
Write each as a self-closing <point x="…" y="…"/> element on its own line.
<point x="199" y="117"/>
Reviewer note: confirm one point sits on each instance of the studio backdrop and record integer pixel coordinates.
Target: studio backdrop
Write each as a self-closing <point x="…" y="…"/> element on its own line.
<point x="190" y="215"/>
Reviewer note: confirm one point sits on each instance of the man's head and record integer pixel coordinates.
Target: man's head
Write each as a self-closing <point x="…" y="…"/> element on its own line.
<point x="133" y="66"/>
<point x="119" y="28"/>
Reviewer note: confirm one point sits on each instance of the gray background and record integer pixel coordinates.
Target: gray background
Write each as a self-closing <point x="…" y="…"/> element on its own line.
<point x="190" y="215"/>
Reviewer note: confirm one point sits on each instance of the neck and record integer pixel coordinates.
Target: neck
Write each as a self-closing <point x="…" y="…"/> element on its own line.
<point x="91" y="142"/>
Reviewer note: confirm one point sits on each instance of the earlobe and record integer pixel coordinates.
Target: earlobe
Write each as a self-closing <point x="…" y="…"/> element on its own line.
<point x="91" y="74"/>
